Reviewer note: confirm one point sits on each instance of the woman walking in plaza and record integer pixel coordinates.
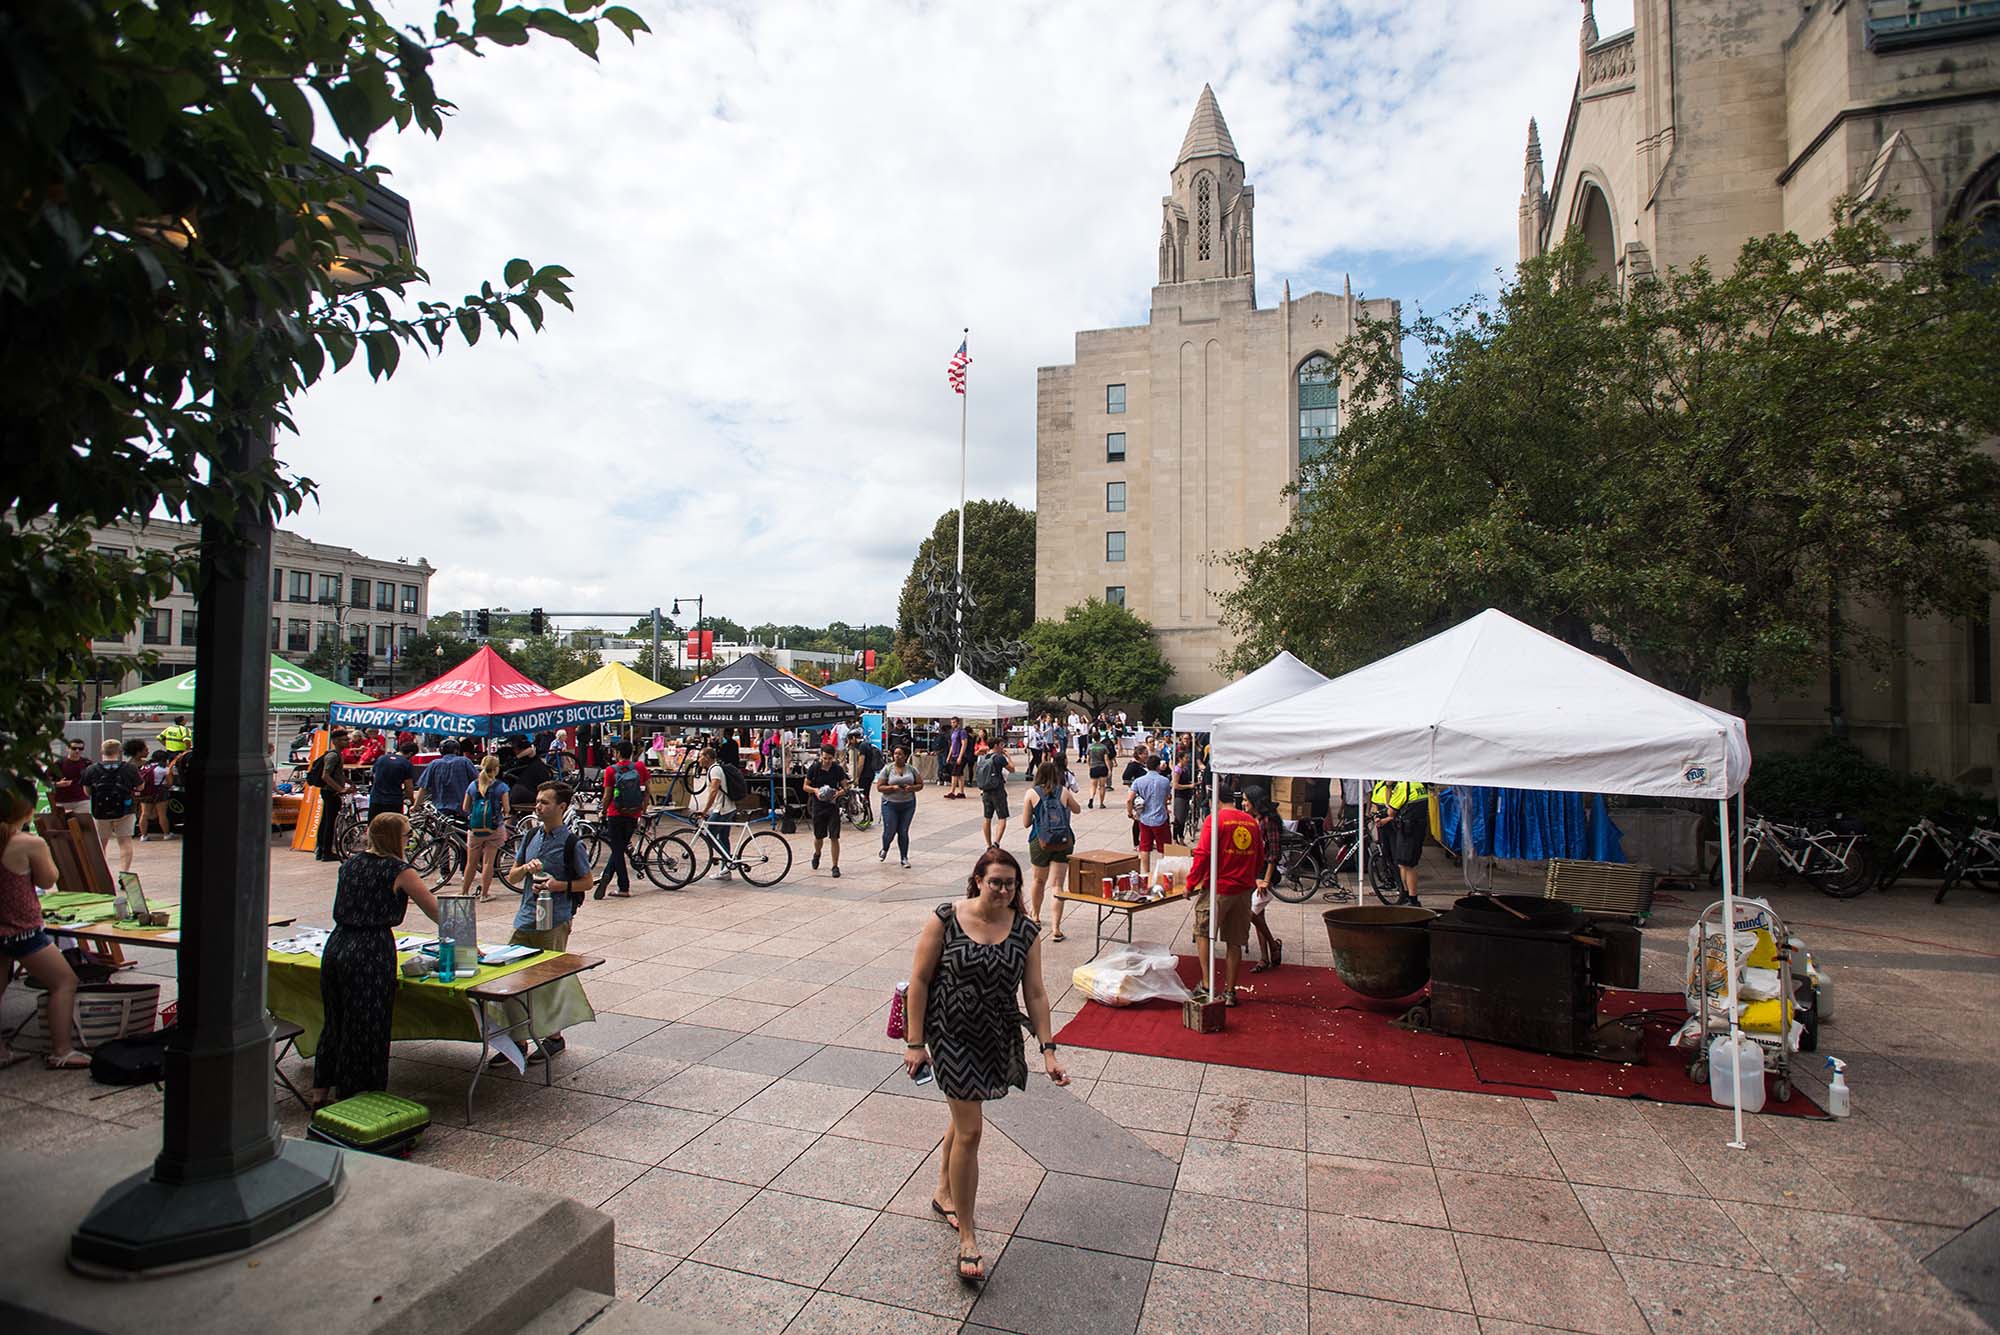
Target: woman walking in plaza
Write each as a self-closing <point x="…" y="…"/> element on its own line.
<point x="964" y="1024"/>
<point x="357" y="975"/>
<point x="1045" y="812"/>
<point x="26" y="870"/>
<point x="486" y="809"/>
<point x="899" y="784"/>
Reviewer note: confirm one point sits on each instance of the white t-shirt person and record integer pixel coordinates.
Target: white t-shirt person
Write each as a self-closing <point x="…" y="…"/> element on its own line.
<point x="718" y="783"/>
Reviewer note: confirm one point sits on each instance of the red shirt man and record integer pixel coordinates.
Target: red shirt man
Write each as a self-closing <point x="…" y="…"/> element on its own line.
<point x="622" y="816"/>
<point x="1239" y="857"/>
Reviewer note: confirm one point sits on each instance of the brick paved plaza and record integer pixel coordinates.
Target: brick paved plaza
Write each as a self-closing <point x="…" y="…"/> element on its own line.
<point x="738" y="1110"/>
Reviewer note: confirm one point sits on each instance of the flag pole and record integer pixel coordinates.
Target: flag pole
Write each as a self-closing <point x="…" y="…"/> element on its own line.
<point x="958" y="630"/>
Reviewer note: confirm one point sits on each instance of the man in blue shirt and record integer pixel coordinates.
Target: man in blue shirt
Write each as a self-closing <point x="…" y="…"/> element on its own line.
<point x="550" y="858"/>
<point x="390" y="780"/>
<point x="1148" y="803"/>
<point x="445" y="779"/>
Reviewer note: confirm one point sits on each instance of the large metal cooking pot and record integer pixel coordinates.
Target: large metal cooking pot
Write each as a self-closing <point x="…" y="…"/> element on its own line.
<point x="1380" y="952"/>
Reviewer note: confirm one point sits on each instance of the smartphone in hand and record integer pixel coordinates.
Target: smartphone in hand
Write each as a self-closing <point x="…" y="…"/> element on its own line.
<point x="923" y="1075"/>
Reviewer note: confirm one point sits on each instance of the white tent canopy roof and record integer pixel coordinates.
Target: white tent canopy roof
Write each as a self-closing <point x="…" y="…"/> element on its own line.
<point x="1280" y="679"/>
<point x="957" y="696"/>
<point x="1496" y="703"/>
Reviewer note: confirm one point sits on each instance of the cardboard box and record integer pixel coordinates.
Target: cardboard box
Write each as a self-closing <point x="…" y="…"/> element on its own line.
<point x="1179" y="851"/>
<point x="1089" y="867"/>
<point x="1283" y="789"/>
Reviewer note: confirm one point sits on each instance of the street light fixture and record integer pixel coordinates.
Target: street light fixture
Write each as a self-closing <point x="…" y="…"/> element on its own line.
<point x="698" y="600"/>
<point x="225" y="1179"/>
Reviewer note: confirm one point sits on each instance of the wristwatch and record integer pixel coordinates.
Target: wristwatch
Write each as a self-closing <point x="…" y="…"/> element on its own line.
<point x="1048" y="1047"/>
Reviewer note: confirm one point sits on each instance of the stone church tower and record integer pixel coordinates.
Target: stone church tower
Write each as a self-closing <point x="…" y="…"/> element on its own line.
<point x="1166" y="446"/>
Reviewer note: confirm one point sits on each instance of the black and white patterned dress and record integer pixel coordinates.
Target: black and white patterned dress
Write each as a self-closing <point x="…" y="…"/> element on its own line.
<point x="357" y="976"/>
<point x="972" y="1020"/>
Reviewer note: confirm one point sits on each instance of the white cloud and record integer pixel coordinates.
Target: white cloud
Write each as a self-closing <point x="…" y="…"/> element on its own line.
<point x="780" y="216"/>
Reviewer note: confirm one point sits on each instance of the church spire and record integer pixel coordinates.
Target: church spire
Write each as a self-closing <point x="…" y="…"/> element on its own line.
<point x="1534" y="196"/>
<point x="1588" y="37"/>
<point x="1207" y="134"/>
<point x="1531" y="169"/>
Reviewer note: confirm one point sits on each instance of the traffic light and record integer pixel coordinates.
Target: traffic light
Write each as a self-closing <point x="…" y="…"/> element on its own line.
<point x="535" y="622"/>
<point x="485" y="620"/>
<point x="357" y="663"/>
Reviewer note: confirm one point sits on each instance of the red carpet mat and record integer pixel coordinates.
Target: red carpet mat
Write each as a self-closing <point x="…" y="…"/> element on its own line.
<point x="1305" y="1021"/>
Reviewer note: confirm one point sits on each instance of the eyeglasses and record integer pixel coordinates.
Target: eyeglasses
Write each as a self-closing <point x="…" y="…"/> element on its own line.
<point x="1004" y="885"/>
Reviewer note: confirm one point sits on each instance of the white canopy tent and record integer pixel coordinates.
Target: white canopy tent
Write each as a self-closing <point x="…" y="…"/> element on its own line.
<point x="1497" y="703"/>
<point x="957" y="696"/>
<point x="1280" y="679"/>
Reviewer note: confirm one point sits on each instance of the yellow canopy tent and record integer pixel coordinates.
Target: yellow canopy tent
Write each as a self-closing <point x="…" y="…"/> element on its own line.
<point x="614" y="681"/>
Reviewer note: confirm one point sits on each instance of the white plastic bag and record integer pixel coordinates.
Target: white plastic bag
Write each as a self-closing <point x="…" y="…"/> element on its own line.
<point x="1142" y="971"/>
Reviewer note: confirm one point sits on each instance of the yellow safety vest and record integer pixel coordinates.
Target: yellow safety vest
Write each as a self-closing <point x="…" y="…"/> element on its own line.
<point x="176" y="737"/>
<point x="1396" y="796"/>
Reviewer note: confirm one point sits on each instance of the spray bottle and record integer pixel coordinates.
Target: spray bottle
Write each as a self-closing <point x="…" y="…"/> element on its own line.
<point x="1836" y="1090"/>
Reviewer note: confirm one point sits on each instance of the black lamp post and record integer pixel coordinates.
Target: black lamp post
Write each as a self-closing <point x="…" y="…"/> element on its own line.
<point x="225" y="1178"/>
<point x="698" y="600"/>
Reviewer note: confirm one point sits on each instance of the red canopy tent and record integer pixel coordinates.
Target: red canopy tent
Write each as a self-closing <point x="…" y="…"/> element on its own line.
<point x="482" y="697"/>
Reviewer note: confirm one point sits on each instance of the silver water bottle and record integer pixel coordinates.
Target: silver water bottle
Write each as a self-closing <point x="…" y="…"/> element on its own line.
<point x="545" y="909"/>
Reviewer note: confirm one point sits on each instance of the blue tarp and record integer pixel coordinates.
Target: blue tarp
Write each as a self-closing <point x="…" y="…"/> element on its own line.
<point x="859" y="693"/>
<point x="1524" y="823"/>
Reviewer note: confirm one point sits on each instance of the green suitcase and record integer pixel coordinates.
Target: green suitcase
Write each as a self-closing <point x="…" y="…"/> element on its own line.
<point x="374" y="1123"/>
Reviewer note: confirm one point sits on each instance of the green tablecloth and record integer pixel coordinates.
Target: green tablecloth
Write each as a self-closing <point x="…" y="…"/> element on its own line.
<point x="73" y="908"/>
<point x="426" y="1008"/>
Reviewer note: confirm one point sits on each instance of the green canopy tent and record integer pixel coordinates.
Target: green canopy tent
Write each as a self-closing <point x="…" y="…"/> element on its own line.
<point x="293" y="691"/>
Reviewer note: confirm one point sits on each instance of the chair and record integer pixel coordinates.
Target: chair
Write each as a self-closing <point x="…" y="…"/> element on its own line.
<point x="284" y="1040"/>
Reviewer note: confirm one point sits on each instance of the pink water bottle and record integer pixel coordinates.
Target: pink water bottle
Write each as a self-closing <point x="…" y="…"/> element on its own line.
<point x="899" y="1011"/>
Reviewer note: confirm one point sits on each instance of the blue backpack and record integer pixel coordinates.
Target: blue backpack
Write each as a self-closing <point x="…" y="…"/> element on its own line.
<point x="1052" y="827"/>
<point x="487" y="807"/>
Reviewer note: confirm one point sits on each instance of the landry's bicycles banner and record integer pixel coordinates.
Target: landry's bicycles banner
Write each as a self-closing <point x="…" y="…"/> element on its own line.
<point x="448" y="724"/>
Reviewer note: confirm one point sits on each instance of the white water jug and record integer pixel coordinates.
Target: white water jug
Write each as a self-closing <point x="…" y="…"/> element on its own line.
<point x="1740" y="1065"/>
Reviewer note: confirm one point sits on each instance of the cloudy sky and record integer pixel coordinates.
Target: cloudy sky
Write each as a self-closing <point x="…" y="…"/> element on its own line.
<point x="780" y="215"/>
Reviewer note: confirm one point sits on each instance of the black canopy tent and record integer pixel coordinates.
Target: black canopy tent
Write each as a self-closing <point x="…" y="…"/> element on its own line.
<point x="749" y="693"/>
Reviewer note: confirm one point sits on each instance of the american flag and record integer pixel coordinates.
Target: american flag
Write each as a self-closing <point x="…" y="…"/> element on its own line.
<point x="959" y="361"/>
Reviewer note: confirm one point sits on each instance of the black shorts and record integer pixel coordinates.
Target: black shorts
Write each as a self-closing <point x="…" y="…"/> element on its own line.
<point x="1403" y="838"/>
<point x="826" y="820"/>
<point x="1100" y="771"/>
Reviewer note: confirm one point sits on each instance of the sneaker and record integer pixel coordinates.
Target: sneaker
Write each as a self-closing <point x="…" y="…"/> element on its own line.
<point x="724" y="876"/>
<point x="836" y="873"/>
<point x="906" y="864"/>
<point x="598" y="893"/>
<point x="883" y="856"/>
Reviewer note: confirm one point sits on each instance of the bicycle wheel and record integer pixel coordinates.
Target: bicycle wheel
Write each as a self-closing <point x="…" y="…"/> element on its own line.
<point x="425" y="850"/>
<point x="1298" y="876"/>
<point x="693" y="778"/>
<point x="670" y="861"/>
<point x="764" y="858"/>
<point x="1851" y="877"/>
<point x="1892" y="870"/>
<point x="1384" y="878"/>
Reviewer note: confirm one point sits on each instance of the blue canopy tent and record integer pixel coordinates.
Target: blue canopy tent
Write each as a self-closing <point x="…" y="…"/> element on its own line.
<point x="859" y="693"/>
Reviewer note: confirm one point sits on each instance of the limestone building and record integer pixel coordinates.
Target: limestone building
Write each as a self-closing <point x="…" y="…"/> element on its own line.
<point x="321" y="596"/>
<point x="1712" y="121"/>
<point x="1166" y="444"/>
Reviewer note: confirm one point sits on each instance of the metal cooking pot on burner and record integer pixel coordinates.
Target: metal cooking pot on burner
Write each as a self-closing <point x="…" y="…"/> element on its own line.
<point x="1380" y="951"/>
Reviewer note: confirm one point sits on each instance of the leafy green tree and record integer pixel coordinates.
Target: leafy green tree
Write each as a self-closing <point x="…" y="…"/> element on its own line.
<point x="889" y="671"/>
<point x="177" y="262"/>
<point x="549" y="659"/>
<point x="1096" y="655"/>
<point x="430" y="655"/>
<point x="1691" y="478"/>
<point x="999" y="573"/>
<point x="667" y="674"/>
<point x="328" y="659"/>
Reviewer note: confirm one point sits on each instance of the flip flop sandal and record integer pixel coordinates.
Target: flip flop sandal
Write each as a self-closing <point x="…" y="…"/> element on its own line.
<point x="973" y="1259"/>
<point x="69" y="1061"/>
<point x="949" y="1216"/>
<point x="1058" y="937"/>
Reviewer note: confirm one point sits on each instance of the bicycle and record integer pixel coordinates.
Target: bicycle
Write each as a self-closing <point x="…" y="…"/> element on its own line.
<point x="854" y="811"/>
<point x="1340" y="849"/>
<point x="1836" y="860"/>
<point x="1977" y="859"/>
<point x="437" y="843"/>
<point x="763" y="858"/>
<point x="1926" y="831"/>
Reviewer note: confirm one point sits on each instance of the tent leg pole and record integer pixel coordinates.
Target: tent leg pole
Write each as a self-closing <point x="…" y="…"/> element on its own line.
<point x="1729" y="968"/>
<point x="1214" y="863"/>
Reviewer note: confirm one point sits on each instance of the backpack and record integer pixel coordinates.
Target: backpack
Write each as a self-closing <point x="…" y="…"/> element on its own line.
<point x="989" y="773"/>
<point x="486" y="808"/>
<point x="734" y="784"/>
<point x="569" y="856"/>
<point x="1052" y="824"/>
<point x="110" y="785"/>
<point x="138" y="1060"/>
<point x="627" y="793"/>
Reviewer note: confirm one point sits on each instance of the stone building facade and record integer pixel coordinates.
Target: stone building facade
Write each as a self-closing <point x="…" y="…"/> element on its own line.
<point x="1166" y="445"/>
<point x="319" y="594"/>
<point x="1712" y="121"/>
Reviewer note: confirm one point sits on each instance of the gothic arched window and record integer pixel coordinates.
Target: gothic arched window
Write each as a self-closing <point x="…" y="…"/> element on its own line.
<point x="1319" y="407"/>
<point x="1203" y="208"/>
<point x="1979" y="213"/>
